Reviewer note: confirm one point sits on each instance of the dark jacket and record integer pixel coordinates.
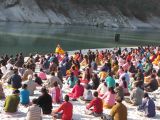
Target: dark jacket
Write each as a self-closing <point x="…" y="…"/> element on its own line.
<point x="15" y="81"/>
<point x="45" y="102"/>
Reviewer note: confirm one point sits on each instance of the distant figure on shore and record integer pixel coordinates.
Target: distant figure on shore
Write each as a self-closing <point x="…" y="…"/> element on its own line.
<point x="59" y="50"/>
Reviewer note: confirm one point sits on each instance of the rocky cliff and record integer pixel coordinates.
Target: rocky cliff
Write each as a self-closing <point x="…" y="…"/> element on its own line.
<point x="70" y="12"/>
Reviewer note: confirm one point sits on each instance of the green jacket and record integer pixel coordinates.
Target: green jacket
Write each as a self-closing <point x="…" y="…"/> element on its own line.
<point x="11" y="103"/>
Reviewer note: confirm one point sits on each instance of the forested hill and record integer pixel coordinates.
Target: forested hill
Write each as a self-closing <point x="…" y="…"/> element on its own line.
<point x="112" y="13"/>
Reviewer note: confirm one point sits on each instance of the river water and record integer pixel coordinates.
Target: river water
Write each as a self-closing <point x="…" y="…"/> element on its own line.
<point x="43" y="38"/>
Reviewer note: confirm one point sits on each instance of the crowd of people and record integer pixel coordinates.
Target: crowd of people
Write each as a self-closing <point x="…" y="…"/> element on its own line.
<point x="99" y="79"/>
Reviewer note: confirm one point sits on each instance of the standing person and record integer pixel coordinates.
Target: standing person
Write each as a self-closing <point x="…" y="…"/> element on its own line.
<point x="147" y="106"/>
<point x="24" y="95"/>
<point x="66" y="110"/>
<point x="34" y="111"/>
<point x="119" y="111"/>
<point x="45" y="101"/>
<point x="97" y="105"/>
<point x="11" y="102"/>
<point x="15" y="80"/>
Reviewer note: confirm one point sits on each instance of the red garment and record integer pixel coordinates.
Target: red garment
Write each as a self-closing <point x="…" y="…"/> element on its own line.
<point x="77" y="91"/>
<point x="67" y="109"/>
<point x="97" y="105"/>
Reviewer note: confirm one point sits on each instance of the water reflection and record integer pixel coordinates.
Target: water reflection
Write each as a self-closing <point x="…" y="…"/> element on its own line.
<point x="43" y="38"/>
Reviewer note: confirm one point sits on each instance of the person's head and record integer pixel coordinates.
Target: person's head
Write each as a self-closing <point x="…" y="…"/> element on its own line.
<point x="35" y="75"/>
<point x="118" y="99"/>
<point x="146" y="95"/>
<point x="117" y="84"/>
<point x="152" y="76"/>
<point x="28" y="66"/>
<point x="15" y="71"/>
<point x="66" y="98"/>
<point x="52" y="73"/>
<point x="41" y="70"/>
<point x="111" y="89"/>
<point x="35" y="101"/>
<point x="95" y="94"/>
<point x="44" y="90"/>
<point x="16" y="92"/>
<point x="30" y="77"/>
<point x="78" y="82"/>
<point x="24" y="86"/>
<point x="55" y="84"/>
<point x="110" y="74"/>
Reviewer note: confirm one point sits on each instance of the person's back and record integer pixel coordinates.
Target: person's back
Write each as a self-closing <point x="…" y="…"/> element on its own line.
<point x="148" y="106"/>
<point x="119" y="112"/>
<point x="96" y="103"/>
<point x="154" y="85"/>
<point x="11" y="103"/>
<point x="72" y="81"/>
<point x="55" y="93"/>
<point x="34" y="111"/>
<point x="31" y="86"/>
<point x="109" y="99"/>
<point x="150" y="109"/>
<point x="110" y="82"/>
<point x="15" y="81"/>
<point x="45" y="102"/>
<point x="78" y="91"/>
<point x="136" y="96"/>
<point x="24" y="97"/>
<point x="42" y="75"/>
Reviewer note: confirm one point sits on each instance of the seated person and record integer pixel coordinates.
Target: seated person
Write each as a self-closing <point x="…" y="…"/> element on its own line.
<point x="71" y="81"/>
<point x="24" y="95"/>
<point x="109" y="98"/>
<point x="42" y="75"/>
<point x="87" y="96"/>
<point x="38" y="80"/>
<point x="95" y="81"/>
<point x="45" y="101"/>
<point x="97" y="105"/>
<point x="124" y="85"/>
<point x="136" y="94"/>
<point x="119" y="111"/>
<point x="119" y="91"/>
<point x="12" y="102"/>
<point x="102" y="88"/>
<point x="34" y="111"/>
<point x="55" y="93"/>
<point x="77" y="91"/>
<point x="31" y="85"/>
<point x="153" y="85"/>
<point x="110" y="81"/>
<point x="147" y="106"/>
<point x="65" y="111"/>
<point x="2" y="95"/>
